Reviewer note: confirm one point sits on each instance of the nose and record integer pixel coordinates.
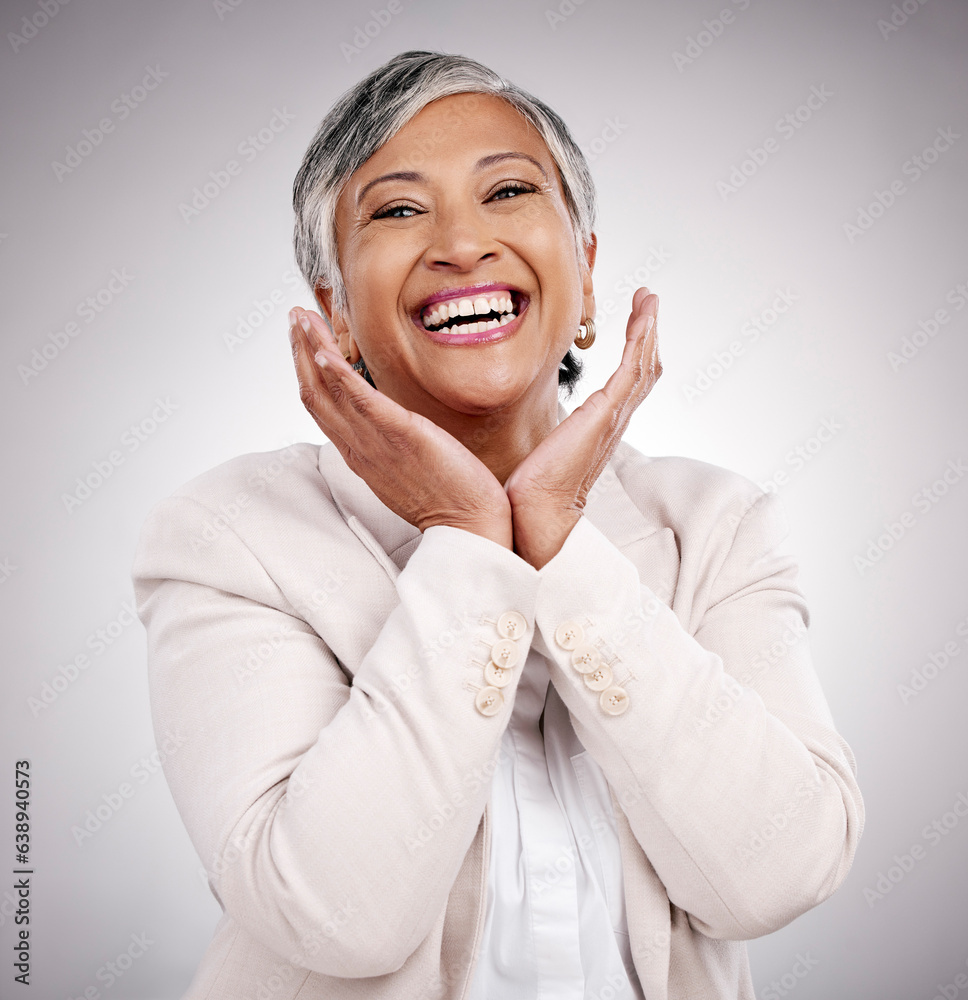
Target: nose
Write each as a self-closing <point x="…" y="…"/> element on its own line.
<point x="461" y="240"/>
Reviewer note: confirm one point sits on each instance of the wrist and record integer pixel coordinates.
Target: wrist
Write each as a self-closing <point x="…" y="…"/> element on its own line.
<point x="495" y="529"/>
<point x="539" y="538"/>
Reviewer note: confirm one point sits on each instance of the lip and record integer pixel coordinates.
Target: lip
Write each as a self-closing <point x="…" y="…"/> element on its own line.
<point x="522" y="301"/>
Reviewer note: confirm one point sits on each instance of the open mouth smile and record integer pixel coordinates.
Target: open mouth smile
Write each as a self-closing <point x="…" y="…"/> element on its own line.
<point x="470" y="312"/>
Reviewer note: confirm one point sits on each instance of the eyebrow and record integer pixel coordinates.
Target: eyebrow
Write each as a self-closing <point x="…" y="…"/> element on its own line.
<point x="482" y="164"/>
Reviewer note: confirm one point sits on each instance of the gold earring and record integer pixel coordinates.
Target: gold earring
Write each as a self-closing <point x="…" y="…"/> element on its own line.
<point x="585" y="340"/>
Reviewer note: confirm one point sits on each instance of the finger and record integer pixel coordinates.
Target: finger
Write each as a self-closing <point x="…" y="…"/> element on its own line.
<point x="317" y="330"/>
<point x="644" y="304"/>
<point x="341" y="376"/>
<point x="640" y="351"/>
<point x="314" y="391"/>
<point x="639" y="368"/>
<point x="353" y="397"/>
<point x="639" y="296"/>
<point x="367" y="420"/>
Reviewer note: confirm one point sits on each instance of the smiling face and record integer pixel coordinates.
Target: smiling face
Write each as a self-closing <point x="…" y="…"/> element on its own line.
<point x="464" y="288"/>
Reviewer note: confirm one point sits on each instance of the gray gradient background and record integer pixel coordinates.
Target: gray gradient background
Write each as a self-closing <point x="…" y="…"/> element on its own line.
<point x="678" y="134"/>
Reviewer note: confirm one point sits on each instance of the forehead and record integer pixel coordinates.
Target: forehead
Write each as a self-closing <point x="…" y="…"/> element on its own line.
<point x="461" y="126"/>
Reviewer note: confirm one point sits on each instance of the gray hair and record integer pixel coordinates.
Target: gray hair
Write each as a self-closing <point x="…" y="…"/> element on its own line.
<point x="372" y="112"/>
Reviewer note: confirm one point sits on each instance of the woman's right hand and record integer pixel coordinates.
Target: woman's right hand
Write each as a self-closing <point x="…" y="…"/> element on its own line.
<point x="415" y="467"/>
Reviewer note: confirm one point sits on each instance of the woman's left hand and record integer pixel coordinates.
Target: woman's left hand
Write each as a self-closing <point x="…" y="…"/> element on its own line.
<point x="548" y="489"/>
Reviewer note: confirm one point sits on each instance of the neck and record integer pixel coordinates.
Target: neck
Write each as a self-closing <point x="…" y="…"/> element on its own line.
<point x="503" y="438"/>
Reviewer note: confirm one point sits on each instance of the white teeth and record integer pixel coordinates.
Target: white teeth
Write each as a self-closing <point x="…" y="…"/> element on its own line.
<point x="462" y="329"/>
<point x="481" y="306"/>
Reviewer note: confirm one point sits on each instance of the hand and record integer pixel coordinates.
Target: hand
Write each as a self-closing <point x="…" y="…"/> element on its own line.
<point x="547" y="491"/>
<point x="415" y="467"/>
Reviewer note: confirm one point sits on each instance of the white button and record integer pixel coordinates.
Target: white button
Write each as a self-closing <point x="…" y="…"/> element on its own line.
<point x="512" y="625"/>
<point x="505" y="653"/>
<point x="614" y="700"/>
<point x="497" y="676"/>
<point x="489" y="701"/>
<point x="586" y="659"/>
<point x="598" y="679"/>
<point x="569" y="634"/>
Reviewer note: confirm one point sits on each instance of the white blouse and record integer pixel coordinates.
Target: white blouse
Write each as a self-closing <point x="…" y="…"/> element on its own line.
<point x="555" y="926"/>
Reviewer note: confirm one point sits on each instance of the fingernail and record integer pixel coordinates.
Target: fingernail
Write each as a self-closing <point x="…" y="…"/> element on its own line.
<point x="304" y="322"/>
<point x="292" y="317"/>
<point x="320" y="360"/>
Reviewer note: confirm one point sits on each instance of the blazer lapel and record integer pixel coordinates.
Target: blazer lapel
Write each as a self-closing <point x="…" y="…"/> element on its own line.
<point x="395" y="537"/>
<point x="372" y="550"/>
<point x="644" y="541"/>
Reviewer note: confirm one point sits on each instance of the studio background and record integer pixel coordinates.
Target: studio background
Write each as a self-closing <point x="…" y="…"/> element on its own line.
<point x="791" y="179"/>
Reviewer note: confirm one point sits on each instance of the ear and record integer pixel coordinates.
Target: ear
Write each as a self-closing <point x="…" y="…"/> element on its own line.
<point x="337" y="323"/>
<point x="587" y="285"/>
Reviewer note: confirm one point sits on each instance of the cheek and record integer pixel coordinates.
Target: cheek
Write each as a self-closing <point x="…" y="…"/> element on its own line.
<point x="374" y="281"/>
<point x="548" y="244"/>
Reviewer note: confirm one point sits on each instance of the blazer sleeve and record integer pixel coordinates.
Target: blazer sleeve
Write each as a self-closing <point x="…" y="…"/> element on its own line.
<point x="332" y="816"/>
<point x="726" y="762"/>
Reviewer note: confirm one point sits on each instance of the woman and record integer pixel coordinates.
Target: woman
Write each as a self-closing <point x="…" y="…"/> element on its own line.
<point x="478" y="701"/>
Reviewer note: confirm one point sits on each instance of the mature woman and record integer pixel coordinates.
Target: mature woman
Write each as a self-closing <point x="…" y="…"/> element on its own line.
<point x="477" y="701"/>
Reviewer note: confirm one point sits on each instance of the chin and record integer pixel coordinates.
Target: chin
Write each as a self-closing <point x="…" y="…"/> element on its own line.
<point x="491" y="390"/>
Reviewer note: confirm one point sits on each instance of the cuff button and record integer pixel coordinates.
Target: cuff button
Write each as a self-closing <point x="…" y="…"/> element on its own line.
<point x="512" y="625"/>
<point x="569" y="634"/>
<point x="489" y="701"/>
<point x="586" y="659"/>
<point x="598" y="679"/>
<point x="614" y="700"/>
<point x="497" y="676"/>
<point x="505" y="653"/>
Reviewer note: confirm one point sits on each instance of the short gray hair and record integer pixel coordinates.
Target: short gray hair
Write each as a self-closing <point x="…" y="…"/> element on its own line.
<point x="371" y="113"/>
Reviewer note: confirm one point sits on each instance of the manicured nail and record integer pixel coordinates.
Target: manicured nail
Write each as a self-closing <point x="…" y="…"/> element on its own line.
<point x="304" y="322"/>
<point x="320" y="360"/>
<point x="292" y="317"/>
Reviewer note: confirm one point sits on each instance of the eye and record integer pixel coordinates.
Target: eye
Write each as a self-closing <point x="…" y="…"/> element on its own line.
<point x="511" y="189"/>
<point x="399" y="211"/>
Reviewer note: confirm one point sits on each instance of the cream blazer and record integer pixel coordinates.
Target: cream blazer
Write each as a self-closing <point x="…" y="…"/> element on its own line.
<point x="315" y="660"/>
